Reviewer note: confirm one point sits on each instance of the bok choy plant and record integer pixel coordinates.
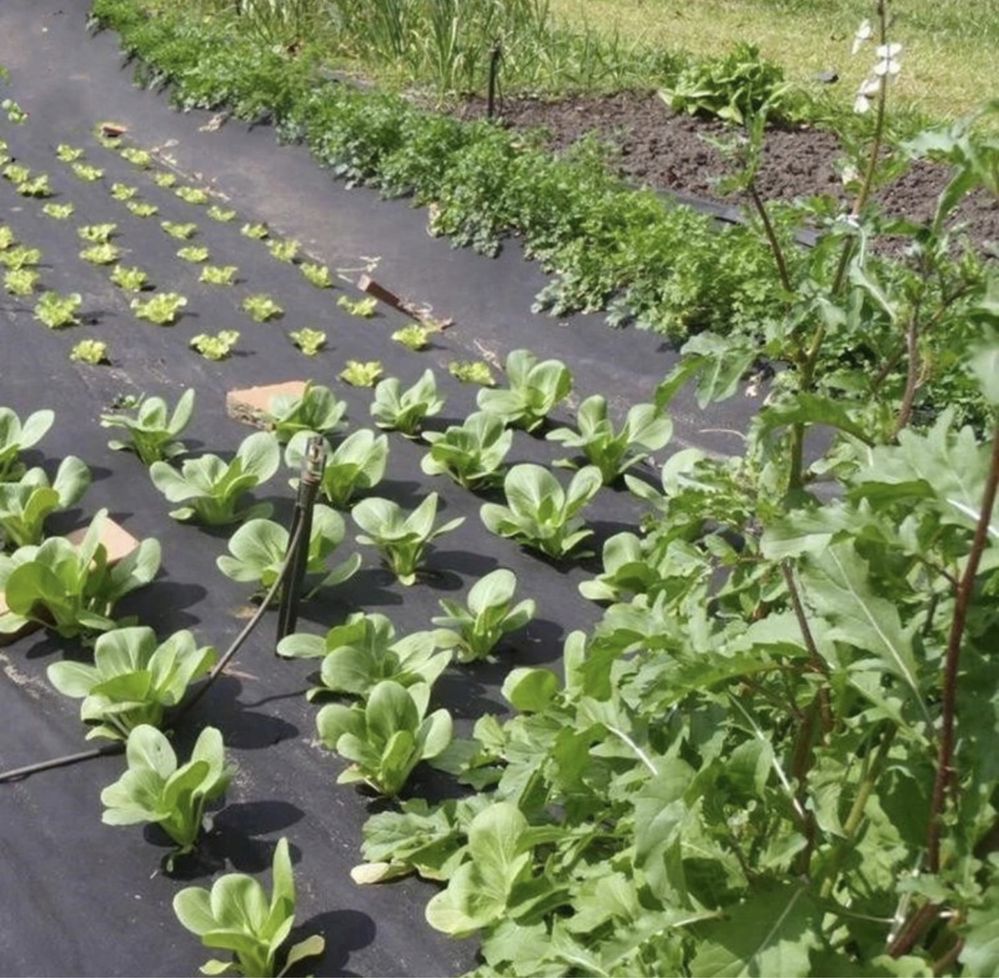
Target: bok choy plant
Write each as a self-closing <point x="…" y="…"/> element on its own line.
<point x="354" y="466"/>
<point x="472" y="453"/>
<point x="316" y="410"/>
<point x="535" y="389"/>
<point x="17" y="436"/>
<point x="405" y="410"/>
<point x="25" y="505"/>
<point x="153" y="428"/>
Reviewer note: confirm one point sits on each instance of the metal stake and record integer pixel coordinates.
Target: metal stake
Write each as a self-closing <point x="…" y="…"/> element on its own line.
<point x="494" y="63"/>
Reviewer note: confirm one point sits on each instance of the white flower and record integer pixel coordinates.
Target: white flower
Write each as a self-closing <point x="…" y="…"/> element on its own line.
<point x="889" y="64"/>
<point x="861" y="104"/>
<point x="870" y="86"/>
<point x="864" y="32"/>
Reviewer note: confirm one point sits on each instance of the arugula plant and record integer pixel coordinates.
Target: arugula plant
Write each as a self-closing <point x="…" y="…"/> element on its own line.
<point x="316" y="274"/>
<point x="20" y="281"/>
<point x="401" y="537"/>
<point x="153" y="429"/>
<point x="539" y="513"/>
<point x="316" y="410"/>
<point x="645" y="430"/>
<point x="27" y="503"/>
<point x="489" y="613"/>
<point x="163" y="309"/>
<point x="158" y="790"/>
<point x="385" y="737"/>
<point x="535" y="389"/>
<point x="365" y="651"/>
<point x="134" y="679"/>
<point x="129" y="278"/>
<point x="309" y="341"/>
<point x="405" y="410"/>
<point x="361" y="373"/>
<point x="58" y="311"/>
<point x="218" y="274"/>
<point x="211" y="490"/>
<point x="236" y="916"/>
<point x="261" y="308"/>
<point x="17" y="436"/>
<point x="217" y="347"/>
<point x="257" y="551"/>
<point x="72" y="589"/>
<point x="356" y="465"/>
<point x="471" y="453"/>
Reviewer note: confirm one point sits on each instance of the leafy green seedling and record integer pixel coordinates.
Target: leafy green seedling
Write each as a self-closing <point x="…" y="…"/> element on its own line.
<point x="309" y="341"/>
<point x="90" y="351"/>
<point x="401" y="537"/>
<point x="472" y="454"/>
<point x="97" y="233"/>
<point x="6" y="237"/>
<point x="20" y="256"/>
<point x="362" y="308"/>
<point x="16" y="173"/>
<point x="101" y="254"/>
<point x="256" y="231"/>
<point x="86" y="172"/>
<point x="645" y="430"/>
<point x="141" y="158"/>
<point x="162" y="309"/>
<point x="414" y="337"/>
<point x="386" y="737"/>
<point x="58" y="311"/>
<point x="539" y="512"/>
<point x="490" y="613"/>
<point x="192" y="195"/>
<point x="361" y="373"/>
<point x="211" y="489"/>
<point x="219" y="214"/>
<point x="15" y="114"/>
<point x="108" y="134"/>
<point x="632" y="566"/>
<point x="405" y="410"/>
<point x="316" y="410"/>
<point x="317" y="275"/>
<point x="122" y="191"/>
<point x="68" y="154"/>
<point x="236" y="916"/>
<point x="356" y="465"/>
<point x="26" y="504"/>
<point x="134" y="679"/>
<point x="180" y="231"/>
<point x="20" y="281"/>
<point x="283" y="250"/>
<point x="59" y="212"/>
<point x="165" y="180"/>
<point x="155" y="790"/>
<point x="141" y="209"/>
<point x="37" y="186"/>
<point x="217" y="347"/>
<point x="261" y="308"/>
<point x="535" y="388"/>
<point x="72" y="589"/>
<point x="193" y="253"/>
<point x="364" y="651"/>
<point x="129" y="278"/>
<point x="218" y="274"/>
<point x="152" y="428"/>
<point x="17" y="436"/>
<point x="258" y="550"/>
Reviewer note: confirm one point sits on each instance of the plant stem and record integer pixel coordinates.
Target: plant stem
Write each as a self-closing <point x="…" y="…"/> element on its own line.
<point x="965" y="590"/>
<point x="768" y="228"/>
<point x="911" y="376"/>
<point x="818" y="663"/>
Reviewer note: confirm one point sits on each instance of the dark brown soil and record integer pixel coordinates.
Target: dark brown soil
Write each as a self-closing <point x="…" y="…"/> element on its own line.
<point x="656" y="147"/>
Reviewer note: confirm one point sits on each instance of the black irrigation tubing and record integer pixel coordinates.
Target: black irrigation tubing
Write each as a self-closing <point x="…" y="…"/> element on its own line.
<point x="293" y="561"/>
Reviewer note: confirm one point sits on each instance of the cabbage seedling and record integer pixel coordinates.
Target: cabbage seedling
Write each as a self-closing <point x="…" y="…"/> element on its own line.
<point x="401" y="537"/>
<point x="414" y="337"/>
<point x="363" y="308"/>
<point x="535" y="388"/>
<point x="217" y="347"/>
<point x="17" y="437"/>
<point x="256" y="231"/>
<point x="192" y="195"/>
<point x="141" y="209"/>
<point x="97" y="233"/>
<point x="26" y="504"/>
<point x="86" y="172"/>
<point x="218" y="274"/>
<point x="162" y="309"/>
<point x="131" y="279"/>
<point x="20" y="281"/>
<point x="361" y="373"/>
<point x="309" y="341"/>
<point x="153" y="429"/>
<point x="316" y="410"/>
<point x="101" y="254"/>
<point x="180" y="231"/>
<point x="283" y="250"/>
<point x="317" y="275"/>
<point x="211" y="489"/>
<point x="58" y="311"/>
<point x="261" y="308"/>
<point x="472" y="454"/>
<point x="90" y="351"/>
<point x="193" y="253"/>
<point x="356" y="465"/>
<point x="405" y="410"/>
<point x="58" y="212"/>
<point x="219" y="214"/>
<point x="134" y="679"/>
<point x="236" y="916"/>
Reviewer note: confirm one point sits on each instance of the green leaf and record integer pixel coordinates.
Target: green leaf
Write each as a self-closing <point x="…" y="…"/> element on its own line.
<point x="530" y="690"/>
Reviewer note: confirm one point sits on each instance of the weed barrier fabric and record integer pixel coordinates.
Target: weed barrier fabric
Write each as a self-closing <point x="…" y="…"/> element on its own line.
<point x="81" y="898"/>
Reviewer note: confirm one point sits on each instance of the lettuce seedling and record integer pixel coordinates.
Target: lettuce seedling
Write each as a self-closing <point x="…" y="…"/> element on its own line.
<point x="645" y="430"/>
<point x="26" y="504"/>
<point x="217" y="347"/>
<point x="68" y="154"/>
<point x="58" y="311"/>
<point x="131" y="279"/>
<point x="15" y="114"/>
<point x="17" y="437"/>
<point x="182" y="232"/>
<point x="365" y="651"/>
<point x="472" y="454"/>
<point x="195" y="254"/>
<point x="535" y="388"/>
<point x="101" y="254"/>
<point x="122" y="191"/>
<point x="141" y="158"/>
<point x="283" y="250"/>
<point x="162" y="309"/>
<point x="219" y="214"/>
<point x="309" y="341"/>
<point x="165" y="180"/>
<point x="259" y="547"/>
<point x="261" y="308"/>
<point x="20" y="281"/>
<point x="361" y="373"/>
<point x="401" y="537"/>
<point x="236" y="916"/>
<point x="192" y="195"/>
<point x="6" y="237"/>
<point x="134" y="679"/>
<point x="72" y="589"/>
<point x="154" y="789"/>
<point x="211" y="489"/>
<point x="256" y="231"/>
<point x="21" y="256"/>
<point x="142" y="209"/>
<point x="16" y="173"/>
<point x="413" y="337"/>
<point x="97" y="233"/>
<point x="386" y="737"/>
<point x="86" y="172"/>
<point x="90" y="351"/>
<point x="218" y="274"/>
<point x="152" y="428"/>
<point x="404" y="411"/>
<point x="539" y="512"/>
<point x="59" y="212"/>
<point x="490" y="613"/>
<point x="316" y="410"/>
<point x="356" y="465"/>
<point x="37" y="186"/>
<point x="318" y="275"/>
<point x="363" y="308"/>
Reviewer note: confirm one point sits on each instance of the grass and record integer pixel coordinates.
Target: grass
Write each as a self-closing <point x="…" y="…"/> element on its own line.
<point x="950" y="62"/>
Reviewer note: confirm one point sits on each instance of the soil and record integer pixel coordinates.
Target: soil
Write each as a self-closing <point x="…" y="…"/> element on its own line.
<point x="656" y="147"/>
